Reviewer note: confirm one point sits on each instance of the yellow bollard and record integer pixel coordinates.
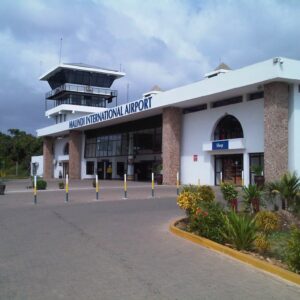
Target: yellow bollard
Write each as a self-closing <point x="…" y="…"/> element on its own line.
<point x="67" y="188"/>
<point x="125" y="186"/>
<point x="34" y="191"/>
<point x="152" y="185"/>
<point x="177" y="183"/>
<point x="97" y="188"/>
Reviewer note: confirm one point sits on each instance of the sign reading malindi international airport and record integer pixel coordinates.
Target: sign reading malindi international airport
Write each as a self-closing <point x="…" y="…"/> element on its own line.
<point x="220" y="145"/>
<point x="112" y="113"/>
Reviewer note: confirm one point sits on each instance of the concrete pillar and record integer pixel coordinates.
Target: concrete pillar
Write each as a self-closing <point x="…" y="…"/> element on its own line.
<point x="171" y="140"/>
<point x="48" y="157"/>
<point x="75" y="154"/>
<point x="276" y="100"/>
<point x="246" y="169"/>
<point x="130" y="165"/>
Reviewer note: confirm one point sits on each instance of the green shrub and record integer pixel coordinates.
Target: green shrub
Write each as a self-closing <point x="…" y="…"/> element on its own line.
<point x="229" y="191"/>
<point x="293" y="251"/>
<point x="207" y="194"/>
<point x="207" y="221"/>
<point x="61" y="185"/>
<point x="239" y="230"/>
<point x="41" y="184"/>
<point x="191" y="188"/>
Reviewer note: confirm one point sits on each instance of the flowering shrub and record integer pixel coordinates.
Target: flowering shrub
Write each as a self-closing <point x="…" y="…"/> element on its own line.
<point x="188" y="201"/>
<point x="205" y="192"/>
<point x="207" y="221"/>
<point x="267" y="221"/>
<point x="261" y="243"/>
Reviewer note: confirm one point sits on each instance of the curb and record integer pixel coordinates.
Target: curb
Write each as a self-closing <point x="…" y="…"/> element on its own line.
<point x="262" y="265"/>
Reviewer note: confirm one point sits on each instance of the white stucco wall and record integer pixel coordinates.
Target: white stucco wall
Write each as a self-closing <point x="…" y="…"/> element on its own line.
<point x="294" y="127"/>
<point x="59" y="156"/>
<point x="197" y="129"/>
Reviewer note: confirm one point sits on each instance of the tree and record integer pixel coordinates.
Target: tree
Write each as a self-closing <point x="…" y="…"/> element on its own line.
<point x="17" y="147"/>
<point x="288" y="188"/>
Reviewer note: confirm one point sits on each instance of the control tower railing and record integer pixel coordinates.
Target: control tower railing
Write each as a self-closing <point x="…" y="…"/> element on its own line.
<point x="86" y="89"/>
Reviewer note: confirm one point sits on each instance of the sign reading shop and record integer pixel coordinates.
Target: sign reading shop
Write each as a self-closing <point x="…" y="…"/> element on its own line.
<point x="220" y="145"/>
<point x="112" y="113"/>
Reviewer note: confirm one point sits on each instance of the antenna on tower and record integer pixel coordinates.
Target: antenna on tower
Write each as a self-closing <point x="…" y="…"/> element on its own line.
<point x="120" y="67"/>
<point x="60" y="48"/>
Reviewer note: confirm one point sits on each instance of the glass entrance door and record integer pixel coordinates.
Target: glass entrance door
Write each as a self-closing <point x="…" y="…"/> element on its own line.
<point x="228" y="168"/>
<point x="65" y="169"/>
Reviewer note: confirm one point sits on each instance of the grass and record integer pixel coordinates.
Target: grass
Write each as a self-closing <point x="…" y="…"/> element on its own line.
<point x="11" y="177"/>
<point x="278" y="241"/>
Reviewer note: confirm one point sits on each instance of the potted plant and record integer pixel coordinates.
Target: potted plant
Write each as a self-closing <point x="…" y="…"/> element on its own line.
<point x="158" y="174"/>
<point x="252" y="195"/>
<point x="259" y="178"/>
<point x="2" y="187"/>
<point x="61" y="185"/>
<point x="230" y="195"/>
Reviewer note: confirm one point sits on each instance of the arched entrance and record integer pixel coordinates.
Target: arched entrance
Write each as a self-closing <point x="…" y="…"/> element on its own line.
<point x="228" y="127"/>
<point x="228" y="167"/>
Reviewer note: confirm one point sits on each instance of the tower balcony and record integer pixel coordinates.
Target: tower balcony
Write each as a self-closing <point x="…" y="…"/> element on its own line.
<point x="81" y="89"/>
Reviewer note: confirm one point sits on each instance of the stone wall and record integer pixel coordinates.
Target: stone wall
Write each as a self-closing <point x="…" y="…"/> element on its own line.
<point x="75" y="155"/>
<point x="171" y="140"/>
<point x="276" y="101"/>
<point x="48" y="157"/>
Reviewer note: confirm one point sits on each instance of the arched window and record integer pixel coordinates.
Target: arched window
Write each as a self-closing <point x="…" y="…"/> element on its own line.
<point x="66" y="149"/>
<point x="228" y="127"/>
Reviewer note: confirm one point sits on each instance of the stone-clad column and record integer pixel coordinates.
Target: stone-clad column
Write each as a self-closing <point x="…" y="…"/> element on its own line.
<point x="75" y="155"/>
<point x="171" y="140"/>
<point x="48" y="157"/>
<point x="276" y="100"/>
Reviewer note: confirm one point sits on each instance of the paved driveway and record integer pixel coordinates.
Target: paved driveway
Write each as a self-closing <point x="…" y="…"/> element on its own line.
<point x="115" y="250"/>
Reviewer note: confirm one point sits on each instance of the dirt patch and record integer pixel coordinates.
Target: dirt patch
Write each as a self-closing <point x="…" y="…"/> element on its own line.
<point x="287" y="220"/>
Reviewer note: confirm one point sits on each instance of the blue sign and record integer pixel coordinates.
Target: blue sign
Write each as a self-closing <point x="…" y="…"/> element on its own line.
<point x="112" y="113"/>
<point x="220" y="145"/>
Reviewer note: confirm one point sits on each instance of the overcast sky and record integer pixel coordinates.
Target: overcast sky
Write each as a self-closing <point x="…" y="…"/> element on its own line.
<point x="164" y="42"/>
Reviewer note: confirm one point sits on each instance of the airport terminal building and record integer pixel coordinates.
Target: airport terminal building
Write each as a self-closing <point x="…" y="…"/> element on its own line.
<point x="213" y="130"/>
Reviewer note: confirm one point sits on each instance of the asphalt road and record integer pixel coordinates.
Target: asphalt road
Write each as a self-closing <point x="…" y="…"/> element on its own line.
<point x="116" y="250"/>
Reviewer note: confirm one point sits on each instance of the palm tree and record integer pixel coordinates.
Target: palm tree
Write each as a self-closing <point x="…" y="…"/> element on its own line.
<point x="252" y="196"/>
<point x="288" y="187"/>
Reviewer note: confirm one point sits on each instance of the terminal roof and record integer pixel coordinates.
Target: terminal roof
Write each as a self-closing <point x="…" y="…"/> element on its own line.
<point x="81" y="67"/>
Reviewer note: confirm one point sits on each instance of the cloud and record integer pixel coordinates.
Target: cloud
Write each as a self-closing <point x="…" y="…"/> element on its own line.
<point x="169" y="43"/>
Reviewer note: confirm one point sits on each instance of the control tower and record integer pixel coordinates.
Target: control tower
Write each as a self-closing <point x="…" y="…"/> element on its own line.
<point x="78" y="89"/>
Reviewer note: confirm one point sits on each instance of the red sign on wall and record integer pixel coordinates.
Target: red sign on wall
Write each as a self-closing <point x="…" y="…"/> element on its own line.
<point x="195" y="157"/>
